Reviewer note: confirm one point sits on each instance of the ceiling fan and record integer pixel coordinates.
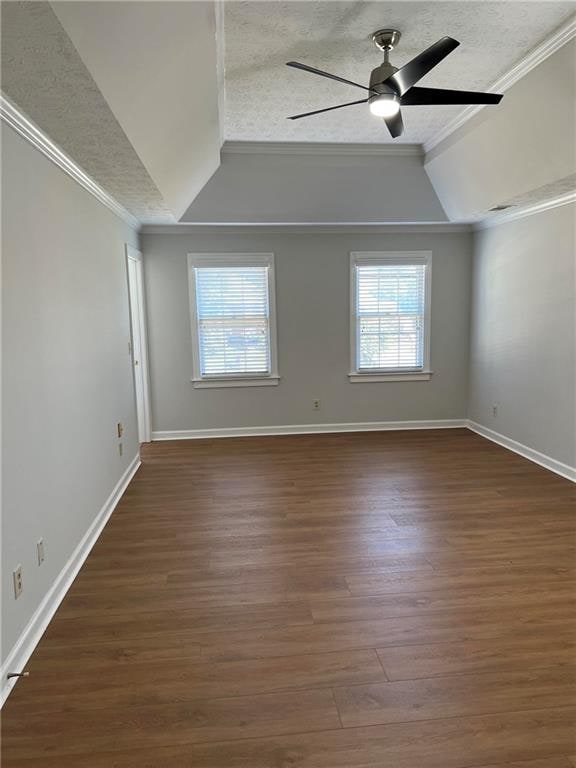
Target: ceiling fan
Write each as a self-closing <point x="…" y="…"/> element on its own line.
<point x="390" y="87"/>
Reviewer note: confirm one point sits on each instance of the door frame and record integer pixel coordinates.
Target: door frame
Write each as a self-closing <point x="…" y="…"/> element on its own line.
<point x="134" y="255"/>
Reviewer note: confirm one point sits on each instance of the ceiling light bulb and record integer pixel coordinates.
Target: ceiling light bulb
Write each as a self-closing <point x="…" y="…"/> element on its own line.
<point x="385" y="105"/>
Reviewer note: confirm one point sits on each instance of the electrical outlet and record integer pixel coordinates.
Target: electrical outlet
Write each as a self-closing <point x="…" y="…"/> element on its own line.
<point x="316" y="405"/>
<point x="17" y="576"/>
<point x="40" y="551"/>
<point x="120" y="449"/>
<point x="119" y="429"/>
<point x="494" y="410"/>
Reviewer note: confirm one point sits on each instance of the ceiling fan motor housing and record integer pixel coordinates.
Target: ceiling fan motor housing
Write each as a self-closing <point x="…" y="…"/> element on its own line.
<point x="379" y="75"/>
<point x="377" y="78"/>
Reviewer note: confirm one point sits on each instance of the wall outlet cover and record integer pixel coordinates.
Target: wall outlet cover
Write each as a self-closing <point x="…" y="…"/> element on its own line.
<point x="18" y="586"/>
<point x="40" y="551"/>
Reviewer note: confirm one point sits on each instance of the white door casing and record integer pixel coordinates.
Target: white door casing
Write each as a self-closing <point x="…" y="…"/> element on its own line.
<point x="138" y="343"/>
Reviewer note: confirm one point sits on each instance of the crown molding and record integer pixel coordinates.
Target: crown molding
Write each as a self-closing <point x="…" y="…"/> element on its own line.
<point x="13" y="117"/>
<point x="522" y="212"/>
<point x="305" y="228"/>
<point x="320" y="148"/>
<point x="562" y="35"/>
<point x="220" y="64"/>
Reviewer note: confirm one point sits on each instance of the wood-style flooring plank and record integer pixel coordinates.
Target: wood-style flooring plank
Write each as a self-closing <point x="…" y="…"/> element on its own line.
<point x="451" y="743"/>
<point x="188" y="721"/>
<point x="436" y="698"/>
<point x="548" y="762"/>
<point x="156" y="682"/>
<point x="548" y="647"/>
<point x="497" y="577"/>
<point x="410" y="630"/>
<point x="375" y="607"/>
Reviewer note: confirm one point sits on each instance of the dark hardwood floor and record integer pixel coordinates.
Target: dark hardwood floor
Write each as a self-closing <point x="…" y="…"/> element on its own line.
<point x="384" y="600"/>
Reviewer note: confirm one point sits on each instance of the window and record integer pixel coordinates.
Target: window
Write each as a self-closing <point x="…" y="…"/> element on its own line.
<point x="233" y="319"/>
<point x="390" y="323"/>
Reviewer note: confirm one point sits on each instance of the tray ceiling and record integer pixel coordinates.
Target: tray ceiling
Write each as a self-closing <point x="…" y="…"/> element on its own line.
<point x="43" y="73"/>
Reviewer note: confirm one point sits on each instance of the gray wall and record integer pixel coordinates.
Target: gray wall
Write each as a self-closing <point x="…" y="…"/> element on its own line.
<point x="67" y="376"/>
<point x="312" y="290"/>
<point x="304" y="187"/>
<point x="523" y="343"/>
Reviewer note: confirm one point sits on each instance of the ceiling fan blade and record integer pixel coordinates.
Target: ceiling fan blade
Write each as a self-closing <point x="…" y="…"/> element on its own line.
<point x="395" y="124"/>
<point x="410" y="73"/>
<point x="422" y="96"/>
<point x="328" y="109"/>
<point x="314" y="71"/>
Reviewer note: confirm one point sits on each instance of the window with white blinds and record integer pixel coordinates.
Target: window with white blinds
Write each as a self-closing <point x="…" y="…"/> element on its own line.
<point x="232" y="312"/>
<point x="390" y="312"/>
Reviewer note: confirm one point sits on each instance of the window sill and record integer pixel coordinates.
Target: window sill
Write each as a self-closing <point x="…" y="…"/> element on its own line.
<point x="366" y="378"/>
<point x="257" y="381"/>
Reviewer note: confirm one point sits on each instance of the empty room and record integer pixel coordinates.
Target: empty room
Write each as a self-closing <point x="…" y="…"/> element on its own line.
<point x="288" y="384"/>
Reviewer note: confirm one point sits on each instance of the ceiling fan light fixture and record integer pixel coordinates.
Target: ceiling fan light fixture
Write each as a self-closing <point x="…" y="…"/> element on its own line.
<point x="391" y="88"/>
<point x="386" y="105"/>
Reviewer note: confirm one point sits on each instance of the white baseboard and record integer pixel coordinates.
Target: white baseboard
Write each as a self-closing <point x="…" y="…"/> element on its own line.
<point x="373" y="426"/>
<point x="523" y="450"/>
<point x="28" y="640"/>
<point x="307" y="429"/>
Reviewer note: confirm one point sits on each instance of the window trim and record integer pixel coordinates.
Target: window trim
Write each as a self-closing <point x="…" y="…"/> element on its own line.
<point x="233" y="260"/>
<point x="383" y="375"/>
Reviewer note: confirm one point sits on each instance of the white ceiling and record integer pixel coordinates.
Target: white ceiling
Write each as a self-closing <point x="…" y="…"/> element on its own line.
<point x="336" y="36"/>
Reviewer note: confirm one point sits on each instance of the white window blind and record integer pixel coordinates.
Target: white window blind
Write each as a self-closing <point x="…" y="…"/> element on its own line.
<point x="390" y="305"/>
<point x="233" y="320"/>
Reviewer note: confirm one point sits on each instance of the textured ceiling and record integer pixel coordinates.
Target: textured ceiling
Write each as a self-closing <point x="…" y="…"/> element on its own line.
<point x="557" y="188"/>
<point x="336" y="36"/>
<point x="44" y="76"/>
